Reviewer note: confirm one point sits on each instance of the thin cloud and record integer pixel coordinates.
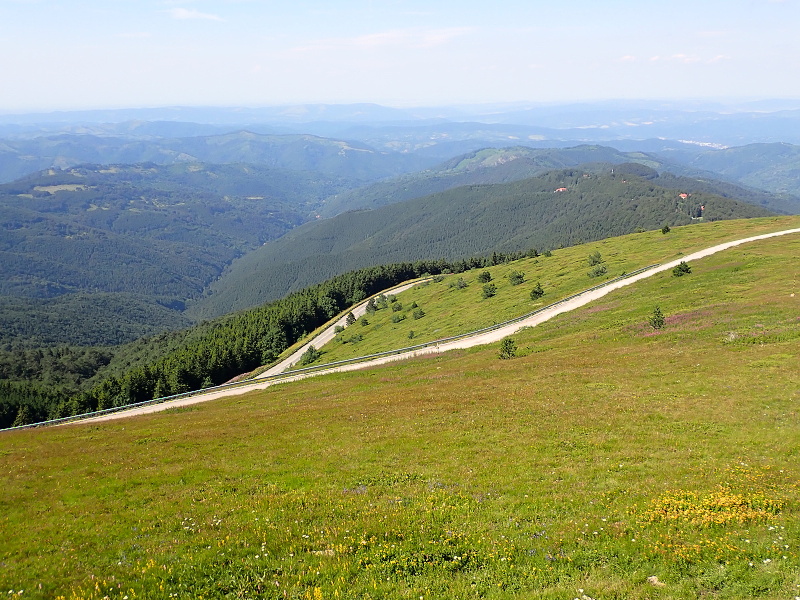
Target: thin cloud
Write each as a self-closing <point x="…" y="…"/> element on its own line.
<point x="409" y="38"/>
<point x="185" y="14"/>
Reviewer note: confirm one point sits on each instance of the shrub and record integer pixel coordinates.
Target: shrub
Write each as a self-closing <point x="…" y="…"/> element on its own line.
<point x="657" y="320"/>
<point x="371" y="306"/>
<point x="364" y="321"/>
<point x="547" y="254"/>
<point x="411" y="334"/>
<point x="485" y="277"/>
<point x="595" y="258"/>
<point x="682" y="269"/>
<point x="397" y="307"/>
<point x="309" y="356"/>
<point x="598" y="271"/>
<point x="537" y="292"/>
<point x="438" y="278"/>
<point x="397" y="317"/>
<point x="418" y="313"/>
<point x="665" y="229"/>
<point x="459" y="284"/>
<point x="350" y="318"/>
<point x="508" y="348"/>
<point x="516" y="277"/>
<point x="338" y="329"/>
<point x="489" y="290"/>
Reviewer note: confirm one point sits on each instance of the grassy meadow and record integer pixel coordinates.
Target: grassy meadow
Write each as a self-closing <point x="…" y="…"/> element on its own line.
<point x="607" y="460"/>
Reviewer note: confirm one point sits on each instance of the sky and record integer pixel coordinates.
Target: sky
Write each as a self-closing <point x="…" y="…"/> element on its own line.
<point x="88" y="54"/>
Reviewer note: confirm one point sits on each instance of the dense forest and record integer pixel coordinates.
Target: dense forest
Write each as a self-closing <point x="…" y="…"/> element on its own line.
<point x="72" y="381"/>
<point x="131" y="244"/>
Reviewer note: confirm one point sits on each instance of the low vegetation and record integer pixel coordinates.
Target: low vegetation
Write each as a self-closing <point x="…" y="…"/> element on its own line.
<point x="607" y="460"/>
<point x="458" y="310"/>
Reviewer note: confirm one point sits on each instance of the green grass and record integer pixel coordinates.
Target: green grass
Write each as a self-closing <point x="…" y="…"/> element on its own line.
<point x="606" y="453"/>
<point x="450" y="310"/>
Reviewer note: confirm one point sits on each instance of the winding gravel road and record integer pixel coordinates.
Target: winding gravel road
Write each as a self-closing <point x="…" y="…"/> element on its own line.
<point x="465" y="342"/>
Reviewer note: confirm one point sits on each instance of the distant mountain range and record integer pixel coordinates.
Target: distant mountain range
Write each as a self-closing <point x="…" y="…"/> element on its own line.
<point x="154" y="212"/>
<point x="330" y="157"/>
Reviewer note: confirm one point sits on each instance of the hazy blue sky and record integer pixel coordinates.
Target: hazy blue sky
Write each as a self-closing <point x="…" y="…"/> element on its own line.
<point x="65" y="54"/>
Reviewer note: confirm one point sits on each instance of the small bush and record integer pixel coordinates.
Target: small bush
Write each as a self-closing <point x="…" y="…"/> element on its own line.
<point x="338" y="329"/>
<point x="397" y="307"/>
<point x="516" y="277"/>
<point x="595" y="258"/>
<point x="598" y="271"/>
<point x="508" y="348"/>
<point x="489" y="290"/>
<point x="364" y="321"/>
<point x="418" y="313"/>
<point x="309" y="356"/>
<point x="350" y="318"/>
<point x="459" y="284"/>
<point x="665" y="229"/>
<point x="485" y="277"/>
<point x="547" y="254"/>
<point x="397" y="317"/>
<point x="682" y="269"/>
<point x="438" y="278"/>
<point x="411" y="334"/>
<point x="657" y="320"/>
<point x="537" y="292"/>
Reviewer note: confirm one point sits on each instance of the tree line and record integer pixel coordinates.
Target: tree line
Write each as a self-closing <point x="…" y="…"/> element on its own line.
<point x="209" y="354"/>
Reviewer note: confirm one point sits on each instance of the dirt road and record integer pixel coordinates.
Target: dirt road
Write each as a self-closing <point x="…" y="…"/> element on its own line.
<point x="327" y="335"/>
<point x="465" y="342"/>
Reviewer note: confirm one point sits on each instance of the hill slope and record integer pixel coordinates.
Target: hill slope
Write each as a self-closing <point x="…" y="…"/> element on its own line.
<point x="504" y="165"/>
<point x="150" y="234"/>
<point x="607" y="459"/>
<point x="472" y="220"/>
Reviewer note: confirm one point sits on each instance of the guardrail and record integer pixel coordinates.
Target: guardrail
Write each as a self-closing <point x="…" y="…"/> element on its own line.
<point x="306" y="370"/>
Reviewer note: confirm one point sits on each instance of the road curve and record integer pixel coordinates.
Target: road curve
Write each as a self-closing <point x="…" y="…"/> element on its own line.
<point x="328" y="334"/>
<point x="465" y="342"/>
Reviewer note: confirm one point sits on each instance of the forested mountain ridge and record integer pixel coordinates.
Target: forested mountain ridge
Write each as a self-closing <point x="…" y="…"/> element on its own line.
<point x="504" y="165"/>
<point x="559" y="208"/>
<point x="299" y="152"/>
<point x="153" y="235"/>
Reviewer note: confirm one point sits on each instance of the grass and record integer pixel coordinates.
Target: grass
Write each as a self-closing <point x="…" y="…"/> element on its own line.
<point x="604" y="455"/>
<point x="452" y="310"/>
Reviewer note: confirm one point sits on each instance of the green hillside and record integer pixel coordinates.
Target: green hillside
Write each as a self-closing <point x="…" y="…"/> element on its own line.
<point x="504" y="165"/>
<point x="152" y="236"/>
<point x="489" y="165"/>
<point x="608" y="459"/>
<point x="472" y="220"/>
